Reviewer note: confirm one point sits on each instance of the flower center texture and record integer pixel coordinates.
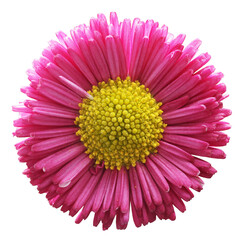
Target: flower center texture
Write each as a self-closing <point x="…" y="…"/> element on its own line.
<point x="121" y="124"/>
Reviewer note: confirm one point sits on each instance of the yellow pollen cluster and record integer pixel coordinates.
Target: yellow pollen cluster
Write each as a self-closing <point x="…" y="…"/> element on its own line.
<point x="121" y="125"/>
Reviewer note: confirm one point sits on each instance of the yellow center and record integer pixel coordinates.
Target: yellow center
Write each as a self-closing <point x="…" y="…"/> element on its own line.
<point x="121" y="125"/>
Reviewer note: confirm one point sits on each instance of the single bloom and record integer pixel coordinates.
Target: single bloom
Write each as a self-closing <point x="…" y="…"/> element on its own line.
<point x="118" y="117"/>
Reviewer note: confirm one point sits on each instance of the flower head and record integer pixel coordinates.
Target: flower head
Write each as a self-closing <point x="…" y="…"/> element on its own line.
<point x="118" y="117"/>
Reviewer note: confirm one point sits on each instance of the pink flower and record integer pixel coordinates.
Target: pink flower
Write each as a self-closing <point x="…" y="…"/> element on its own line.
<point x="102" y="145"/>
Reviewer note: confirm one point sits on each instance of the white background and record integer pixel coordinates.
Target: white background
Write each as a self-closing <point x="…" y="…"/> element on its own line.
<point x="25" y="29"/>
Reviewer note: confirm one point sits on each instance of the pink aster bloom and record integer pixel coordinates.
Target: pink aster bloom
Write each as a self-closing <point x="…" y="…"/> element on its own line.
<point x="118" y="117"/>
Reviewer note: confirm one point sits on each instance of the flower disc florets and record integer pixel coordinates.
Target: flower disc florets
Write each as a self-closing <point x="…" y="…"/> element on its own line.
<point x="121" y="125"/>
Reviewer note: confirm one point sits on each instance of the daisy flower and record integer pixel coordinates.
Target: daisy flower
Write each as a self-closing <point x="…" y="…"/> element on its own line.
<point x="118" y="117"/>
